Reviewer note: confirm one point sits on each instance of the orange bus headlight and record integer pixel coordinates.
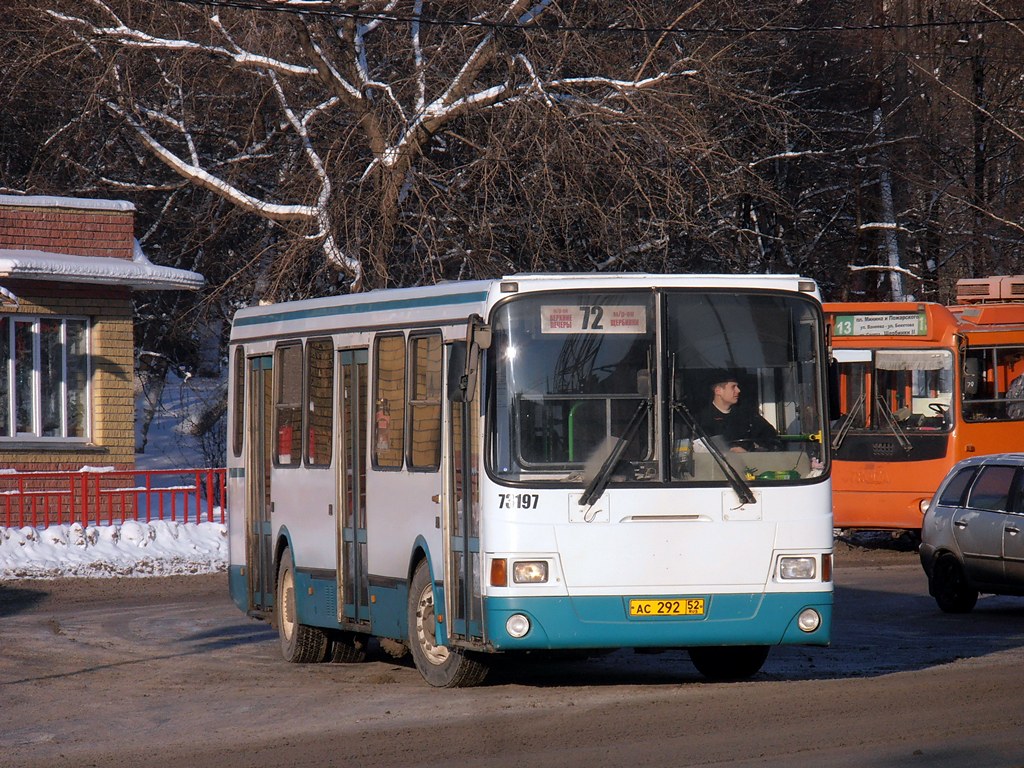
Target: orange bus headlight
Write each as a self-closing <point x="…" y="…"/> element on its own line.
<point x="530" y="572"/>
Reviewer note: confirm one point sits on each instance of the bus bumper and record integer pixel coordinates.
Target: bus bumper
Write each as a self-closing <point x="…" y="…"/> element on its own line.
<point x="604" y="622"/>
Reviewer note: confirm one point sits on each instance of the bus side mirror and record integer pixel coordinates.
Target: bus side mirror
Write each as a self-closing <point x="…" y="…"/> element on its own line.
<point x="972" y="373"/>
<point x="834" y="412"/>
<point x="464" y="360"/>
<point x="456" y="371"/>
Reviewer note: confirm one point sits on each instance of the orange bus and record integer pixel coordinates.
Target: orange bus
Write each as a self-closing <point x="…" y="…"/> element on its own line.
<point x="921" y="386"/>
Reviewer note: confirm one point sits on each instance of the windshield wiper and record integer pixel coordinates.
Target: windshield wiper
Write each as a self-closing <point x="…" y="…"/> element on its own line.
<point x="739" y="485"/>
<point x="847" y="422"/>
<point x="897" y="430"/>
<point x="602" y="477"/>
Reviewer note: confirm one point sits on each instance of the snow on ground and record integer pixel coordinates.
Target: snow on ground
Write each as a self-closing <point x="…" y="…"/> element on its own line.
<point x="159" y="548"/>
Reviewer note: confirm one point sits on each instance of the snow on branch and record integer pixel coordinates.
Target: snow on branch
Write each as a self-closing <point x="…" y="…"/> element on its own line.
<point x="134" y="38"/>
<point x="883" y="268"/>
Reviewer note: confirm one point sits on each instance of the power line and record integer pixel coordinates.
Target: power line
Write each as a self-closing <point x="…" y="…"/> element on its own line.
<point x="325" y="9"/>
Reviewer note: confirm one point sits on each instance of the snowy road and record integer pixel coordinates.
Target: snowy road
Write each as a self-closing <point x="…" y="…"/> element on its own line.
<point x="137" y="672"/>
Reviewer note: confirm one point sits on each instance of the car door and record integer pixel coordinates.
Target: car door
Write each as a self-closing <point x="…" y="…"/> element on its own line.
<point x="1013" y="536"/>
<point x="978" y="527"/>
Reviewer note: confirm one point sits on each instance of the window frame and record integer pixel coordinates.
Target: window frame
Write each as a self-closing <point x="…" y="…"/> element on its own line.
<point x="9" y="433"/>
<point x="307" y="390"/>
<point x="412" y="403"/>
<point x="384" y="416"/>
<point x="280" y="370"/>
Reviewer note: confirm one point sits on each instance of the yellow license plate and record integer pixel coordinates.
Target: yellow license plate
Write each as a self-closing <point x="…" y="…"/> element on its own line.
<point x="690" y="606"/>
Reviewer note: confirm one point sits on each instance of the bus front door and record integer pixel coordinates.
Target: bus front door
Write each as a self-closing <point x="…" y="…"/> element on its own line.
<point x="259" y="535"/>
<point x="463" y="598"/>
<point x="351" y="538"/>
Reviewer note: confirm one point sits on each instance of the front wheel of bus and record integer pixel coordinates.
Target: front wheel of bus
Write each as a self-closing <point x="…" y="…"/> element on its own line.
<point x="439" y="665"/>
<point x="300" y="643"/>
<point x="729" y="662"/>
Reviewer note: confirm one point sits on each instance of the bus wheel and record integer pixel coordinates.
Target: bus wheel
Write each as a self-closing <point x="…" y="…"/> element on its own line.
<point x="439" y="665"/>
<point x="348" y="648"/>
<point x="948" y="585"/>
<point x="300" y="643"/>
<point x="737" y="662"/>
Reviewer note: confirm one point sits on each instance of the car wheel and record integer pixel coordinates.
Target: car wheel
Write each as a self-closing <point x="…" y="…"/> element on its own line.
<point x="300" y="643"/>
<point x="949" y="586"/>
<point x="441" y="666"/>
<point x="729" y="662"/>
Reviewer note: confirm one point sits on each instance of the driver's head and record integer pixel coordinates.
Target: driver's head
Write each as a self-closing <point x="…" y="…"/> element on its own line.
<point x="725" y="391"/>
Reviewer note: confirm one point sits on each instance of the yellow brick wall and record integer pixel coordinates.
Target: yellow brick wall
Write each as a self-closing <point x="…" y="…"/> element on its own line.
<point x="111" y="351"/>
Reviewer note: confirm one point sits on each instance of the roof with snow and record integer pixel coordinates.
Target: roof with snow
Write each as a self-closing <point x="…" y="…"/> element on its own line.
<point x="139" y="273"/>
<point x="90" y="254"/>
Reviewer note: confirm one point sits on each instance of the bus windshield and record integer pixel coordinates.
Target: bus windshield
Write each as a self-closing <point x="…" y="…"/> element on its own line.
<point x="896" y="390"/>
<point x="581" y="377"/>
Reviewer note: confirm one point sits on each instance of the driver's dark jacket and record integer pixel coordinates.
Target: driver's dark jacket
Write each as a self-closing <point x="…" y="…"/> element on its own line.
<point x="740" y="426"/>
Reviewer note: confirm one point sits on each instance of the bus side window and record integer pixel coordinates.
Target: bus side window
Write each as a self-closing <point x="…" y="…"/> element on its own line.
<point x="389" y="401"/>
<point x="319" y="402"/>
<point x="238" y="417"/>
<point x="425" y="401"/>
<point x="288" y="406"/>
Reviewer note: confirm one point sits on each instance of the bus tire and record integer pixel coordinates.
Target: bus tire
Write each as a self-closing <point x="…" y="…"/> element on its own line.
<point x="440" y="666"/>
<point x="348" y="648"/>
<point x="948" y="585"/>
<point x="300" y="643"/>
<point x="731" y="662"/>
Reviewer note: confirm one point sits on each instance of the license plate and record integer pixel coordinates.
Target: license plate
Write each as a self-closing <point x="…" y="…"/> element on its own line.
<point x="690" y="606"/>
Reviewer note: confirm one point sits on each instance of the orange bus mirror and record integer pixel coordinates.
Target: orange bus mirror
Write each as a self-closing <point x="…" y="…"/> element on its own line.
<point x="971" y="376"/>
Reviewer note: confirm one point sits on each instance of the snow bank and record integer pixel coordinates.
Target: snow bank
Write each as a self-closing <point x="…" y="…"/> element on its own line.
<point x="160" y="548"/>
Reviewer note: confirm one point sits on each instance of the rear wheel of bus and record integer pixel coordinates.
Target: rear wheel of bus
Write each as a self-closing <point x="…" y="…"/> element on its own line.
<point x="300" y="643"/>
<point x="441" y="666"/>
<point x="729" y="662"/>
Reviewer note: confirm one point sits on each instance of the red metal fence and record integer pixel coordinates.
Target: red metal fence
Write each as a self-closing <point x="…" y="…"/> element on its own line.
<point x="42" y="499"/>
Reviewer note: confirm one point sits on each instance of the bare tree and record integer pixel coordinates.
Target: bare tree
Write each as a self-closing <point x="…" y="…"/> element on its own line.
<point x="367" y="128"/>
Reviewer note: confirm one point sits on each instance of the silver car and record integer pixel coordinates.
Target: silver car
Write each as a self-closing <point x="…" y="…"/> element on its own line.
<point x="972" y="536"/>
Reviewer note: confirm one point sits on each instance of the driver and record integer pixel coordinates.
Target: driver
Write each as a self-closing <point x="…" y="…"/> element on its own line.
<point x="742" y="428"/>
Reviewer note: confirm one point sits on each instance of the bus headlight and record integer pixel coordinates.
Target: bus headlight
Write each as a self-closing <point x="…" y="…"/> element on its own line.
<point x="923" y="505"/>
<point x="517" y="625"/>
<point x="530" y="572"/>
<point x="808" y="620"/>
<point x="798" y="567"/>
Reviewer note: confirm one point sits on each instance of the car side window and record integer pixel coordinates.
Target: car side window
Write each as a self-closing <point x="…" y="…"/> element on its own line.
<point x="992" y="488"/>
<point x="1017" y="494"/>
<point x="953" y="493"/>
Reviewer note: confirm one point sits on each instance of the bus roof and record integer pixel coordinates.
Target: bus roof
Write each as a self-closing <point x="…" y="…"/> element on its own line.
<point x="884" y="323"/>
<point x="451" y="303"/>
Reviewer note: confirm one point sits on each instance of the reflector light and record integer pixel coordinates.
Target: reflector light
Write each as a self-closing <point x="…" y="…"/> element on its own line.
<point x="499" y="572"/>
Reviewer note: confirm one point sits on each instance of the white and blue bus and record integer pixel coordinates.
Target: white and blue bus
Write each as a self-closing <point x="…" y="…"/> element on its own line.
<point x="490" y="467"/>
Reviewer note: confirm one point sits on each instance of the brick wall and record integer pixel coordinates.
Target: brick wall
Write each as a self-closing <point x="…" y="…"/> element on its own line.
<point x="111" y="355"/>
<point x="96" y="231"/>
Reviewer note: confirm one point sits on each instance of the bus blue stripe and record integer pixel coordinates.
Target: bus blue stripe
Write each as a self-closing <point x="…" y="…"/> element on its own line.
<point x="389" y="305"/>
<point x="602" y="622"/>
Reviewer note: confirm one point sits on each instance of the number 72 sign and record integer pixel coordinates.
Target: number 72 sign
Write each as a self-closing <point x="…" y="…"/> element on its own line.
<point x="593" y="318"/>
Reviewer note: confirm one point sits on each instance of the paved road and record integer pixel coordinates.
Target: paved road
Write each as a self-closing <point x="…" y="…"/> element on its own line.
<point x="166" y="672"/>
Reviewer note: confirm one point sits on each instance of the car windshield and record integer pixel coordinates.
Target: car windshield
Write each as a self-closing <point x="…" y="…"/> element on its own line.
<point x="605" y="388"/>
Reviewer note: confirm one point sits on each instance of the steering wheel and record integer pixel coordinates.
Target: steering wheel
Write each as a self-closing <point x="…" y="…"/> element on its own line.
<point x="940" y="408"/>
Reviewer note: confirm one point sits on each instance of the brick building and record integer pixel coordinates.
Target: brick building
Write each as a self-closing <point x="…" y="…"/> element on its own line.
<point x="67" y="270"/>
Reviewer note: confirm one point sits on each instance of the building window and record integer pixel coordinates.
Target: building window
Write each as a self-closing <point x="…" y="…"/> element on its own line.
<point x="44" y="377"/>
